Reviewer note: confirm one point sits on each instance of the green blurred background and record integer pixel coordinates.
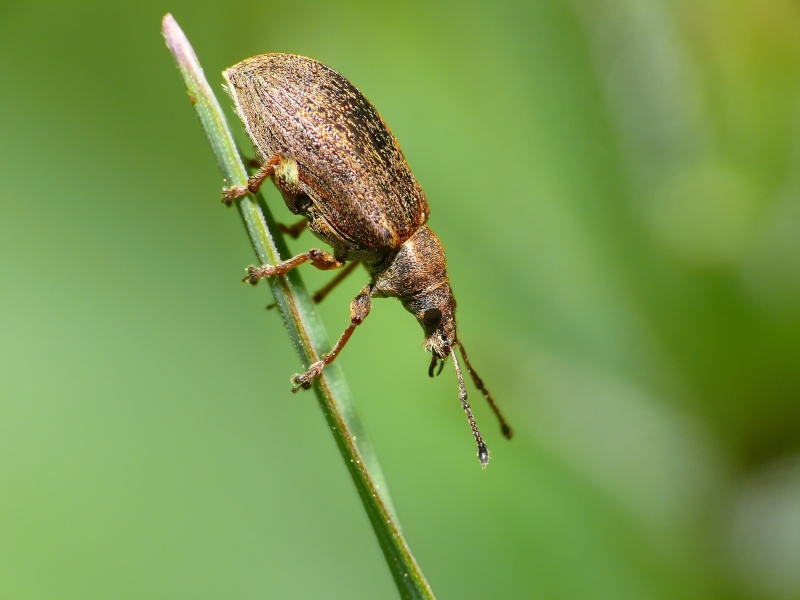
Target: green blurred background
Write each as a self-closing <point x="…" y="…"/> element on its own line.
<point x="617" y="186"/>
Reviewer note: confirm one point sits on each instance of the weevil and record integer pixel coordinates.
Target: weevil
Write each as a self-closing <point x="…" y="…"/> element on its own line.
<point x="336" y="163"/>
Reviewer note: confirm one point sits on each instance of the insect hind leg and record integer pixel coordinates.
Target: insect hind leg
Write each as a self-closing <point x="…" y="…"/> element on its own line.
<point x="283" y="170"/>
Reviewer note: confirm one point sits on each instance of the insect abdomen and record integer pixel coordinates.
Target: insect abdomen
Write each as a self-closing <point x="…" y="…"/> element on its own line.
<point x="353" y="168"/>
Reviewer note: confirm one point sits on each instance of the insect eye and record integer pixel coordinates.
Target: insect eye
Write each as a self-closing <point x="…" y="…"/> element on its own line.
<point x="432" y="317"/>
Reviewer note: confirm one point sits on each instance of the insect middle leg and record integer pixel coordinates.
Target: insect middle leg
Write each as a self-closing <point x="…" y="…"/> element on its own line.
<point x="359" y="309"/>
<point x="294" y="231"/>
<point x="319" y="258"/>
<point x="322" y="292"/>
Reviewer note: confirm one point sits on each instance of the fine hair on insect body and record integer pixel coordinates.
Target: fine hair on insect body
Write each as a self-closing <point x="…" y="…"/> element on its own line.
<point x="337" y="164"/>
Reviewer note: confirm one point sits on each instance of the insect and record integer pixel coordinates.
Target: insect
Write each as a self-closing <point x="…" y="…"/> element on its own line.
<point x="336" y="163"/>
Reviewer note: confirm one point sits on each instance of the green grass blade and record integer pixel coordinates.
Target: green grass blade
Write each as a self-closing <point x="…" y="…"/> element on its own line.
<point x="305" y="329"/>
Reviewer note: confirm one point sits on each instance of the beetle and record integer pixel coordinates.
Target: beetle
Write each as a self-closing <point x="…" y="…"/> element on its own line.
<point x="336" y="163"/>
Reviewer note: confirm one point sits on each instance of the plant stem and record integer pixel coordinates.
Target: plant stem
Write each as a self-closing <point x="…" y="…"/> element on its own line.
<point x="305" y="329"/>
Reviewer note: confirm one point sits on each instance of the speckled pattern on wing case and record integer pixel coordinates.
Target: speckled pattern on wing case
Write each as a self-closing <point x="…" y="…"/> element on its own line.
<point x="349" y="163"/>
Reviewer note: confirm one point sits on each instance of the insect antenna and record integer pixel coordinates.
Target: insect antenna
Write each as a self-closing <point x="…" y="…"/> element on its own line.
<point x="504" y="426"/>
<point x="483" y="451"/>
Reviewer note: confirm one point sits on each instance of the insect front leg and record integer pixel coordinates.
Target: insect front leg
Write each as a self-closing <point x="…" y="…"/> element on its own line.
<point x="359" y="309"/>
<point x="319" y="258"/>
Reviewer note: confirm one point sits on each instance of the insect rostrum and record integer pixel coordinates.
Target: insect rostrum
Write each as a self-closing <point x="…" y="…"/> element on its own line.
<point x="336" y="163"/>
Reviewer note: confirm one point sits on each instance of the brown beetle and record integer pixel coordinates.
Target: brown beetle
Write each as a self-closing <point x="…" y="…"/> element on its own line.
<point x="337" y="164"/>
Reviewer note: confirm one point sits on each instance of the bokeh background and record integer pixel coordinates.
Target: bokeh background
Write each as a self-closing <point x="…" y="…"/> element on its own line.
<point x="617" y="184"/>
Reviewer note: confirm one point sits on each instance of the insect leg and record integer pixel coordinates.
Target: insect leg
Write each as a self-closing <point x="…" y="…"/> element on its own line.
<point x="320" y="294"/>
<point x="276" y="163"/>
<point x="359" y="309"/>
<point x="319" y="258"/>
<point x="294" y="231"/>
